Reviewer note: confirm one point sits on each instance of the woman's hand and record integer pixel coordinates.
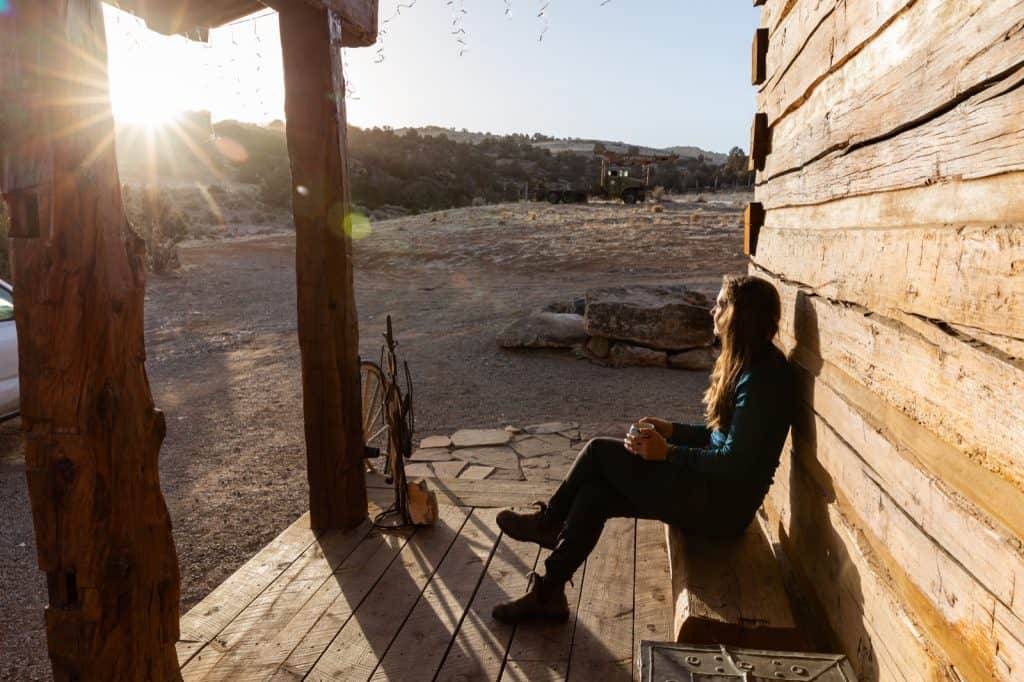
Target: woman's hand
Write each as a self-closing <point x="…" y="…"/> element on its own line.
<point x="662" y="426"/>
<point x="648" y="444"/>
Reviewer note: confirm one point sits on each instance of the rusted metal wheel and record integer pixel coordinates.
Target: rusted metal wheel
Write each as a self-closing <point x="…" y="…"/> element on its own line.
<point x="375" y="426"/>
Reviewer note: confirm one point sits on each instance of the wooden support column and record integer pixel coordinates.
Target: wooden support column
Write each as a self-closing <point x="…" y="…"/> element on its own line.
<point x="328" y="324"/>
<point x="92" y="433"/>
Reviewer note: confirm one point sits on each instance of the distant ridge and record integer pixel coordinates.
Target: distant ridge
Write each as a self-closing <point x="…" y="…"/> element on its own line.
<point x="575" y="145"/>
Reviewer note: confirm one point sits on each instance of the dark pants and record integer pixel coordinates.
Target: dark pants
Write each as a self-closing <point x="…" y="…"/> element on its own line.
<point x="607" y="481"/>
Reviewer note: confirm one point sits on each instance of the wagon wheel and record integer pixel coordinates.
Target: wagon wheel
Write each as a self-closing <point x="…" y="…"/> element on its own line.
<point x="375" y="426"/>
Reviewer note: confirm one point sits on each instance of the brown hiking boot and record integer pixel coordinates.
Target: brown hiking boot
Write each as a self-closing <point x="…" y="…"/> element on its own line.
<point x="533" y="527"/>
<point x="544" y="602"/>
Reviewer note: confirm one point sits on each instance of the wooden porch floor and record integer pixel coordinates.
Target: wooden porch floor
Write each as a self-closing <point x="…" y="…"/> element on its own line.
<point x="415" y="605"/>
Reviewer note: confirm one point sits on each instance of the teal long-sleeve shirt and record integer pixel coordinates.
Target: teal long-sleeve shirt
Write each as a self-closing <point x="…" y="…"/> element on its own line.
<point x="752" y="446"/>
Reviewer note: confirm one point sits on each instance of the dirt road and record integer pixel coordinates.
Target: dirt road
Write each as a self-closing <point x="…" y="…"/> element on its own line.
<point x="224" y="364"/>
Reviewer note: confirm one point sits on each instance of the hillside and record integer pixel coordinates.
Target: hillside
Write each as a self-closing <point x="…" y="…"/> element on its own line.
<point x="572" y="144"/>
<point x="396" y="171"/>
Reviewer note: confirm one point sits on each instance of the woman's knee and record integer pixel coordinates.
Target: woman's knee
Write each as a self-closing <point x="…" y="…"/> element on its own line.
<point x="602" y="452"/>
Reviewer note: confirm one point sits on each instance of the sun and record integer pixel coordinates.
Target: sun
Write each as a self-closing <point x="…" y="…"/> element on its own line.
<point x="137" y="97"/>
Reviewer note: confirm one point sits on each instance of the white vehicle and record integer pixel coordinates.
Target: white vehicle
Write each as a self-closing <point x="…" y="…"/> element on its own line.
<point x="9" y="397"/>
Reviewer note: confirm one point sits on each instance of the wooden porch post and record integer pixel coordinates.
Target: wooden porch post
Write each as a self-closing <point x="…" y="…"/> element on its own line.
<point x="92" y="434"/>
<point x="328" y="324"/>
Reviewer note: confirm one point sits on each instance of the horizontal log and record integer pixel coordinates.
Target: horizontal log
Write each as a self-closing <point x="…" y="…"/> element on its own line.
<point x="980" y="137"/>
<point x="729" y="592"/>
<point x="848" y="585"/>
<point x="927" y="59"/>
<point x="971" y="396"/>
<point x="816" y="38"/>
<point x="968" y="275"/>
<point x="956" y="599"/>
<point x="774" y="11"/>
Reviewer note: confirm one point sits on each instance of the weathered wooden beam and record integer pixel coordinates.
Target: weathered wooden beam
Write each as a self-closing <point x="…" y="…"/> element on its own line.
<point x="929" y="58"/>
<point x="967" y="394"/>
<point x="812" y="39"/>
<point x="92" y="433"/>
<point x="980" y="137"/>
<point x="328" y="331"/>
<point x="753" y="221"/>
<point x="758" y="57"/>
<point x="359" y="18"/>
<point x="760" y="142"/>
<point x="949" y="251"/>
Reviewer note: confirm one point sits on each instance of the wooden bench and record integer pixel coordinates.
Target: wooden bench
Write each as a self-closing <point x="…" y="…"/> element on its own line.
<point x="729" y="592"/>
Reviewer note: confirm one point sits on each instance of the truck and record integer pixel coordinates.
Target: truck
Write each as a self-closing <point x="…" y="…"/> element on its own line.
<point x="619" y="180"/>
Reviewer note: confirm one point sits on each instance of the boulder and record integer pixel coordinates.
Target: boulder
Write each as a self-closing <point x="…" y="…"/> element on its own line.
<point x="627" y="355"/>
<point x="667" y="317"/>
<point x="544" y="330"/>
<point x="696" y="359"/>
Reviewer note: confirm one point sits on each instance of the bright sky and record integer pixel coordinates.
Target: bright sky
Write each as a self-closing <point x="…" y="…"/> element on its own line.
<point x="649" y="72"/>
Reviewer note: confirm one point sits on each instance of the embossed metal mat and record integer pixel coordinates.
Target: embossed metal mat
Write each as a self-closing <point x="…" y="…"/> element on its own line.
<point x="671" y="662"/>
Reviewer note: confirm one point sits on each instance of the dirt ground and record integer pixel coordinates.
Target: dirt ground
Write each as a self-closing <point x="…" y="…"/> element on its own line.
<point x="223" y="361"/>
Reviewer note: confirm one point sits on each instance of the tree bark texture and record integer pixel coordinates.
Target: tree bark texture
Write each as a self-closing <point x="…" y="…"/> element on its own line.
<point x="328" y="323"/>
<point x="92" y="433"/>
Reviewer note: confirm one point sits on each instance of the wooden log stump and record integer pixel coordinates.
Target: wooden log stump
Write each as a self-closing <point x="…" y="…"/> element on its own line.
<point x="729" y="591"/>
<point x="92" y="433"/>
<point x="328" y="332"/>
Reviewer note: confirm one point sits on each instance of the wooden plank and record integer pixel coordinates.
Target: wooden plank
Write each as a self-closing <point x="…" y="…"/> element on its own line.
<point x="540" y="653"/>
<point x="240" y="649"/>
<point x="327" y="319"/>
<point x="211" y="615"/>
<point x="420" y="646"/>
<point x="979" y="137"/>
<point x="602" y="643"/>
<point x="967" y="394"/>
<point x="92" y="432"/>
<point x="817" y="38"/>
<point x="879" y="250"/>
<point x="468" y="493"/>
<point x="363" y="639"/>
<point x="299" y="644"/>
<point x="837" y="568"/>
<point x="652" y="601"/>
<point x="928" y="58"/>
<point x="917" y="270"/>
<point x="479" y="649"/>
<point x="758" y="57"/>
<point x="729" y="592"/>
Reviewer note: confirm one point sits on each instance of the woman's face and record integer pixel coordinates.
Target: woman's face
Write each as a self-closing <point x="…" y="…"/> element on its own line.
<point x="718" y="311"/>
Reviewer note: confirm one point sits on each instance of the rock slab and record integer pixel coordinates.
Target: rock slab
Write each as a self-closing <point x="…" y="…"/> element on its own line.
<point x="667" y="317"/>
<point x="431" y="455"/>
<point x="474" y="438"/>
<point x="497" y="457"/>
<point x="626" y="355"/>
<point x="436" y="442"/>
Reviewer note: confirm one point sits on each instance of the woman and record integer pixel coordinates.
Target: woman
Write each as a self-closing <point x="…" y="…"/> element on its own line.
<point x="706" y="479"/>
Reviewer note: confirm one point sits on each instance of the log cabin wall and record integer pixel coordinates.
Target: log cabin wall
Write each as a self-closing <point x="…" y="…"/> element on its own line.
<point x="892" y="189"/>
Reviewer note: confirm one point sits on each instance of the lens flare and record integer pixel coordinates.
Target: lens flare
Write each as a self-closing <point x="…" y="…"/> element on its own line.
<point x="357" y="226"/>
<point x="232" y="150"/>
<point x="5" y="6"/>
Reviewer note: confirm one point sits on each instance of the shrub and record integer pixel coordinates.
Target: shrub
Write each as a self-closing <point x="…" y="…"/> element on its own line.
<point x="160" y="224"/>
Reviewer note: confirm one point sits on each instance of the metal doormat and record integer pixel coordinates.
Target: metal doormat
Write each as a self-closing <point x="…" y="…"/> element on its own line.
<point x="671" y="662"/>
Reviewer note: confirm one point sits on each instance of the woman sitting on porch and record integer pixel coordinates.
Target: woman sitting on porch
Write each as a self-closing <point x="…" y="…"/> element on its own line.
<point x="704" y="479"/>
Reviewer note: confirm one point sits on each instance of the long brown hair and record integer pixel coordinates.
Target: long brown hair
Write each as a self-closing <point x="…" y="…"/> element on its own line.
<point x="750" y="320"/>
